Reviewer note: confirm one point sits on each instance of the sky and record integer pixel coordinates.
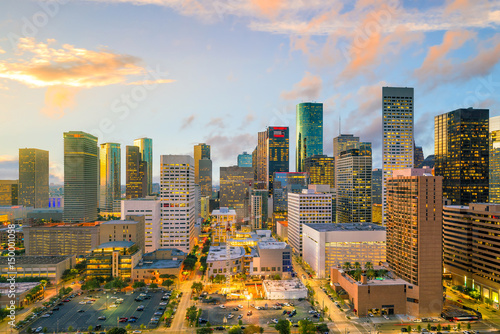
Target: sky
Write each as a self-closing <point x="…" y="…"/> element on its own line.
<point x="184" y="72"/>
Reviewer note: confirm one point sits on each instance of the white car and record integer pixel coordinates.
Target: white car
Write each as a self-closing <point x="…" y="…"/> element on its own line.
<point x="370" y="314"/>
<point x="82" y="302"/>
<point x="312" y="312"/>
<point x="113" y="305"/>
<point x="222" y="306"/>
<point x="46" y="315"/>
<point x="137" y="331"/>
<point x="230" y="316"/>
<point x="240" y="306"/>
<point x="163" y="304"/>
<point x="386" y="317"/>
<point x="274" y="321"/>
<point x="417" y="320"/>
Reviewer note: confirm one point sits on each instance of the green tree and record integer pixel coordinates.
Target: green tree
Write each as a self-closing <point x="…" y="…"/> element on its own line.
<point x="190" y="262"/>
<point x="459" y="326"/>
<point x="419" y="328"/>
<point x="117" y="330"/>
<point x="137" y="285"/>
<point x="90" y="328"/>
<point x="276" y="277"/>
<point x="368" y="265"/>
<point x="439" y="328"/>
<point x="382" y="273"/>
<point x="204" y="330"/>
<point x="192" y="314"/>
<point x="70" y="328"/>
<point x="346" y="266"/>
<point x="357" y="265"/>
<point x="153" y="286"/>
<point x="306" y="327"/>
<point x="235" y="330"/>
<point x="370" y="273"/>
<point x="197" y="286"/>
<point x="240" y="322"/>
<point x="168" y="283"/>
<point x="219" y="278"/>
<point x="208" y="324"/>
<point x="468" y="326"/>
<point x="408" y="329"/>
<point x="143" y="326"/>
<point x="45" y="330"/>
<point x="429" y="327"/>
<point x="252" y="329"/>
<point x="357" y="274"/>
<point x="128" y="327"/>
<point x="322" y="328"/>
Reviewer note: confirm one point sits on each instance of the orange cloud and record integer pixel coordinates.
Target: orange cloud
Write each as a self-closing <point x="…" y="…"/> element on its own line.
<point x="269" y="8"/>
<point x="57" y="100"/>
<point x="309" y="87"/>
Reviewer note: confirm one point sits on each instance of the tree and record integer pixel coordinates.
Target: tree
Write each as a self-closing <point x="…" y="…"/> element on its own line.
<point x="168" y="283"/>
<point x="28" y="330"/>
<point x="439" y="328"/>
<point x="197" y="286"/>
<point x="322" y="328"/>
<point x="219" y="278"/>
<point x="346" y="266"/>
<point x="91" y="284"/>
<point x="70" y="328"/>
<point x="240" y="322"/>
<point x="143" y="326"/>
<point x="45" y="330"/>
<point x="419" y="328"/>
<point x="429" y="327"/>
<point x="252" y="329"/>
<point x="153" y="286"/>
<point x="90" y="328"/>
<point x="208" y="324"/>
<point x="192" y="314"/>
<point x="357" y="274"/>
<point x="408" y="329"/>
<point x="128" y="327"/>
<point x="117" y="330"/>
<point x="382" y="272"/>
<point x="368" y="265"/>
<point x="276" y="277"/>
<point x="190" y="262"/>
<point x="357" y="265"/>
<point x="306" y="327"/>
<point x="204" y="330"/>
<point x="459" y="326"/>
<point x="468" y="326"/>
<point x="370" y="273"/>
<point x="137" y="285"/>
<point x="235" y="330"/>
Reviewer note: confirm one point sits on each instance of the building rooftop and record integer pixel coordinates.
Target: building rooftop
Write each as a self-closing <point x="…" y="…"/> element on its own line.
<point x="223" y="211"/>
<point x="283" y="222"/>
<point x="283" y="285"/>
<point x="20" y="287"/>
<point x="36" y="259"/>
<point x="330" y="227"/>
<point x="47" y="210"/>
<point x="120" y="222"/>
<point x="272" y="245"/>
<point x="159" y="264"/>
<point x="116" y="244"/>
<point x="217" y="253"/>
<point x="175" y="251"/>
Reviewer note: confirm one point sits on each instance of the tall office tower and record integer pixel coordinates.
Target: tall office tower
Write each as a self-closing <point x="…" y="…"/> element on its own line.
<point x="254" y="163"/>
<point x="137" y="174"/>
<point x="306" y="207"/>
<point x="256" y="211"/>
<point x="309" y="132"/>
<point x="177" y="202"/>
<point x="146" y="148"/>
<point x="110" y="176"/>
<point x="377" y="186"/>
<point x="197" y="201"/>
<point x="321" y="169"/>
<point x="205" y="176"/>
<point x="494" y="186"/>
<point x="461" y="151"/>
<point x="33" y="178"/>
<point x="262" y="159"/>
<point x="234" y="182"/>
<point x="397" y="133"/>
<point x="418" y="156"/>
<point x="414" y="237"/>
<point x="354" y="175"/>
<point x="471" y="244"/>
<point x="284" y="183"/>
<point x="201" y="151"/>
<point x="81" y="175"/>
<point x="277" y="152"/>
<point x="9" y="192"/>
<point x="343" y="142"/>
<point x="258" y="208"/>
<point x="244" y="160"/>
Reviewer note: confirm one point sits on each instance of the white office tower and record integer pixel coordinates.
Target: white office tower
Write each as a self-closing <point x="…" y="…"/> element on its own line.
<point x="397" y="137"/>
<point x="177" y="198"/>
<point x="306" y="207"/>
<point x="256" y="212"/>
<point x="148" y="207"/>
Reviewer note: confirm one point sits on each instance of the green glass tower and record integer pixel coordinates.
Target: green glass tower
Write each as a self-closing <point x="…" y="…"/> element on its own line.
<point x="309" y="135"/>
<point x="146" y="148"/>
<point x="109" y="176"/>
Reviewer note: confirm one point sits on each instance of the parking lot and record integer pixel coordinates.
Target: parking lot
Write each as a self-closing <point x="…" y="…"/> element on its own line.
<point x="215" y="314"/>
<point x="80" y="316"/>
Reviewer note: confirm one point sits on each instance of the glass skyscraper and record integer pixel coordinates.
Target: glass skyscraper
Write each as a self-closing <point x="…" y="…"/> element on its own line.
<point x="309" y="132"/>
<point x="461" y="148"/>
<point x="109" y="176"/>
<point x="81" y="164"/>
<point x="284" y="183"/>
<point x="494" y="191"/>
<point x="136" y="177"/>
<point x="321" y="169"/>
<point x="244" y="160"/>
<point x="277" y="153"/>
<point x="146" y="148"/>
<point x="33" y="178"/>
<point x="343" y="142"/>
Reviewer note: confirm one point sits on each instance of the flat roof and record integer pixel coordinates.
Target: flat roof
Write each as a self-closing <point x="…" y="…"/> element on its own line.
<point x="284" y="285"/>
<point x="21" y="287"/>
<point x="223" y="212"/>
<point x="120" y="222"/>
<point x="272" y="245"/>
<point x="330" y="227"/>
<point x="385" y="281"/>
<point x="116" y="244"/>
<point x="217" y="253"/>
<point x="159" y="264"/>
<point x="35" y="259"/>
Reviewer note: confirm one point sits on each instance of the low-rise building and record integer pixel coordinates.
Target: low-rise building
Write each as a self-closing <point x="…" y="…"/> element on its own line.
<point x="272" y="258"/>
<point x="21" y="291"/>
<point x="47" y="214"/>
<point x="47" y="267"/>
<point x="281" y="289"/>
<point x="113" y="259"/>
<point x="131" y="229"/>
<point x="223" y="223"/>
<point x="282" y="230"/>
<point x="217" y="260"/>
<point x="163" y="261"/>
<point x="18" y="235"/>
<point x="331" y="245"/>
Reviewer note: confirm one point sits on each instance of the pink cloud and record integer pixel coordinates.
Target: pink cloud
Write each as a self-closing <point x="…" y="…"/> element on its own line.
<point x="309" y="87"/>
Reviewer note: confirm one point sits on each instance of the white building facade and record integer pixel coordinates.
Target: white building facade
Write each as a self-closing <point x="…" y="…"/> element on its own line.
<point x="148" y="207"/>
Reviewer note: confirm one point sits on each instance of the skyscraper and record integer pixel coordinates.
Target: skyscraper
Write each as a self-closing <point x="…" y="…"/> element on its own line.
<point x="205" y="176"/>
<point x="414" y="237"/>
<point x="201" y="151"/>
<point x="81" y="164"/>
<point x="494" y="186"/>
<point x="397" y="133"/>
<point x="377" y="186"/>
<point x="343" y="142"/>
<point x="321" y="169"/>
<point x="262" y="159"/>
<point x="284" y="183"/>
<point x="354" y="175"/>
<point x="146" y="148"/>
<point x="254" y="163"/>
<point x="309" y="132"/>
<point x="461" y="151"/>
<point x="418" y="156"/>
<point x="137" y="174"/>
<point x="33" y="178"/>
<point x="9" y="192"/>
<point x="110" y="176"/>
<point x="234" y="183"/>
<point x="177" y="197"/>
<point x="244" y="160"/>
<point x="277" y="153"/>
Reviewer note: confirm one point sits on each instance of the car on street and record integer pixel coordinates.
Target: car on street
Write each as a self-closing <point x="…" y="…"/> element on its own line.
<point x="82" y="302"/>
<point x="80" y="311"/>
<point x="230" y="316"/>
<point x="386" y="317"/>
<point x="240" y="316"/>
<point x="417" y="320"/>
<point x="39" y="329"/>
<point x="123" y="320"/>
<point x="97" y="327"/>
<point x="370" y="314"/>
<point x="236" y="309"/>
<point x="102" y="317"/>
<point x="46" y="315"/>
<point x="219" y="328"/>
<point x="312" y="312"/>
<point x="249" y="313"/>
<point x="222" y="306"/>
<point x="137" y="332"/>
<point x="113" y="305"/>
<point x="55" y="309"/>
<point x="163" y="304"/>
<point x="158" y="313"/>
<point x="132" y="320"/>
<point x="66" y="300"/>
<point x="240" y="306"/>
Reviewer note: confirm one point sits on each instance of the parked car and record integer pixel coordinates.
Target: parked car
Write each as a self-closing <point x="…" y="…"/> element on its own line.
<point x="240" y="316"/>
<point x="222" y="306"/>
<point x="249" y="313"/>
<point x="219" y="328"/>
<point x="230" y="316"/>
<point x="102" y="317"/>
<point x="80" y="311"/>
<point x="274" y="321"/>
<point x="123" y="319"/>
<point x="97" y="327"/>
<point x="132" y="320"/>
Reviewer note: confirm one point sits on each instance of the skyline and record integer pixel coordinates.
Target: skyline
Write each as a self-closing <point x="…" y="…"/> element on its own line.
<point x="211" y="65"/>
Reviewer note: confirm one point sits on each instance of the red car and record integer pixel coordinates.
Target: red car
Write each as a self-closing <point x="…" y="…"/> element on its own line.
<point x="123" y="320"/>
<point x="460" y="300"/>
<point x="66" y="300"/>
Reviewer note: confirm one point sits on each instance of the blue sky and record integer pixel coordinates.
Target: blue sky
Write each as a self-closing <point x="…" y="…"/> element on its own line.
<point x="220" y="71"/>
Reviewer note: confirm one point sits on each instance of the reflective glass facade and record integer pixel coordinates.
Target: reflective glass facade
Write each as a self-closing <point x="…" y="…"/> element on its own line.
<point x="309" y="132"/>
<point x="344" y="142"/>
<point x="244" y="160"/>
<point x="136" y="178"/>
<point x="461" y="151"/>
<point x="494" y="187"/>
<point x="284" y="183"/>
<point x="277" y="153"/>
<point x="33" y="178"/>
<point x="146" y="148"/>
<point x="9" y="192"/>
<point x="109" y="176"/>
<point x="201" y="151"/>
<point x="321" y="169"/>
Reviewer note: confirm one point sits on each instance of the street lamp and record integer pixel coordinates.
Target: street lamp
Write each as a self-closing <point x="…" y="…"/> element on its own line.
<point x="248" y="299"/>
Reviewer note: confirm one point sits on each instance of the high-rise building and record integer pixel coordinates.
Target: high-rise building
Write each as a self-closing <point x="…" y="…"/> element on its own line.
<point x="321" y="169"/>
<point x="471" y="244"/>
<point x="244" y="160"/>
<point x="284" y="183"/>
<point x="81" y="164"/>
<point x="262" y="159"/>
<point x="137" y="174"/>
<point x="109" y="176"/>
<point x="494" y="162"/>
<point x="33" y="178"/>
<point x="201" y="151"/>
<point x="177" y="202"/>
<point x="234" y="183"/>
<point x="461" y="151"/>
<point x="309" y="132"/>
<point x="418" y="156"/>
<point x="354" y="175"/>
<point x="150" y="209"/>
<point x="146" y="148"/>
<point x="9" y="192"/>
<point x="414" y="237"/>
<point x="306" y="207"/>
<point x="344" y="142"/>
<point x="205" y="176"/>
<point x="397" y="136"/>
<point x="377" y="186"/>
<point x="277" y="153"/>
<point x="254" y="163"/>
